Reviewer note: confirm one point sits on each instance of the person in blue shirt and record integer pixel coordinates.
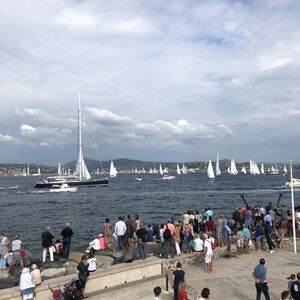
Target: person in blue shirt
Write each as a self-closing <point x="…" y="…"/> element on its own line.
<point x="260" y="276"/>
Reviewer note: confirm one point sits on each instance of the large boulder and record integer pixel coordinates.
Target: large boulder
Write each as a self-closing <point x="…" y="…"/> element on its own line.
<point x="52" y="273"/>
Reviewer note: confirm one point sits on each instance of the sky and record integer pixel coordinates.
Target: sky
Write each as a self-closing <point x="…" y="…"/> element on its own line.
<point x="159" y="80"/>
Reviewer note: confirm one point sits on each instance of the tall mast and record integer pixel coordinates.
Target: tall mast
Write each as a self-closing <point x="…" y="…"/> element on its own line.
<point x="79" y="161"/>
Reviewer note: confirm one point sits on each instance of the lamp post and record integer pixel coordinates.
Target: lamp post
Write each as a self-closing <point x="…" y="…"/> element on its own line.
<point x="293" y="207"/>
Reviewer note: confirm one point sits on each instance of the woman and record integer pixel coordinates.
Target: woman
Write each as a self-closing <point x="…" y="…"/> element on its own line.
<point x="107" y="227"/>
<point x="204" y="294"/>
<point x="177" y="237"/>
<point x="188" y="235"/>
<point x="258" y="236"/>
<point x="83" y="273"/>
<point x="182" y="293"/>
<point x="178" y="276"/>
<point x="4" y="247"/>
<point x="26" y="284"/>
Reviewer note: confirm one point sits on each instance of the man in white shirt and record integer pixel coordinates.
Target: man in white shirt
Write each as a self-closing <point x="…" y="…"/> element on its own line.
<point x="120" y="230"/>
<point x="208" y="253"/>
<point x="199" y="244"/>
<point x="16" y="244"/>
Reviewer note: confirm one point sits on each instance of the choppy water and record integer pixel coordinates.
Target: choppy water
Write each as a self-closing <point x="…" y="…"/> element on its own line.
<point x="27" y="211"/>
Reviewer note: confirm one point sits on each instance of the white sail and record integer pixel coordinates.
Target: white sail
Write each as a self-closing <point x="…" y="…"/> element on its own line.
<point x="150" y="171"/>
<point x="28" y="170"/>
<point x="161" y="172"/>
<point x="184" y="169"/>
<point x="39" y="171"/>
<point x="262" y="169"/>
<point x="251" y="166"/>
<point x="112" y="170"/>
<point x="135" y="170"/>
<point x="243" y="170"/>
<point x="143" y="171"/>
<point x="59" y="169"/>
<point x="233" y="169"/>
<point x="284" y="169"/>
<point x="210" y="171"/>
<point x="178" y="169"/>
<point x="218" y="171"/>
<point x="24" y="172"/>
<point x="81" y="170"/>
<point x="255" y="169"/>
<point x="166" y="170"/>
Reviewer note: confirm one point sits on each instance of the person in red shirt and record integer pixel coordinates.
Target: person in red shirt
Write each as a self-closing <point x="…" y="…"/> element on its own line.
<point x="210" y="225"/>
<point x="182" y="294"/>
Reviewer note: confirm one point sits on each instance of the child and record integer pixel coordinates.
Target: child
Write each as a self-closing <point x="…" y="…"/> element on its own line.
<point x="291" y="279"/>
<point x="182" y="294"/>
<point x="92" y="261"/>
<point x="58" y="247"/>
<point x="157" y="292"/>
<point x="36" y="274"/>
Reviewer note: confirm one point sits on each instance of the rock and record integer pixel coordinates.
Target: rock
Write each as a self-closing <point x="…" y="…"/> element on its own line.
<point x="9" y="282"/>
<point x="71" y="267"/>
<point x="3" y="275"/>
<point x="75" y="256"/>
<point x="52" y="273"/>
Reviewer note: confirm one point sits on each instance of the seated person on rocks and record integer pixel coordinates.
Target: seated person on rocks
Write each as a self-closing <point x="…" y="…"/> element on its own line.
<point x="36" y="275"/>
<point x="199" y="244"/>
<point x="94" y="245"/>
<point x="58" y="247"/>
<point x="92" y="261"/>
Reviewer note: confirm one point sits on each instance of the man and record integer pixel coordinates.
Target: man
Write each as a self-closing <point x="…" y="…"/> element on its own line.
<point x="208" y="253"/>
<point x="47" y="243"/>
<point x="268" y="217"/>
<point x="120" y="230"/>
<point x="130" y="229"/>
<point x="178" y="276"/>
<point x="236" y="216"/>
<point x="168" y="235"/>
<point x="199" y="244"/>
<point x="141" y="234"/>
<point x="67" y="234"/>
<point x="260" y="276"/>
<point x="295" y="288"/>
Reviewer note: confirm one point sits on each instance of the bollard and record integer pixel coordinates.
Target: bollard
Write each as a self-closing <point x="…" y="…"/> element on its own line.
<point x="167" y="281"/>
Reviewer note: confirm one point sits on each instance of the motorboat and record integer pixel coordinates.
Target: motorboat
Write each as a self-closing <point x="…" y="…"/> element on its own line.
<point x="168" y="177"/>
<point x="63" y="188"/>
<point x="138" y="179"/>
<point x="296" y="183"/>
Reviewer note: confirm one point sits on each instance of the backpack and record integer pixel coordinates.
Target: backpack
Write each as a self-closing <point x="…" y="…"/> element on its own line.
<point x="167" y="233"/>
<point x="213" y="245"/>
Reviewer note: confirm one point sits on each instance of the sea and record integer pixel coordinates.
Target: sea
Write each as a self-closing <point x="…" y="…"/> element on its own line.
<point x="26" y="211"/>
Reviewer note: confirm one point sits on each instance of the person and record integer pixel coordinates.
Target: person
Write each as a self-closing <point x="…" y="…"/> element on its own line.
<point x="94" y="245"/>
<point x="108" y="238"/>
<point x="162" y="240"/>
<point x="59" y="248"/>
<point x="210" y="225"/>
<point x="67" y="234"/>
<point x="17" y="253"/>
<point x="168" y="235"/>
<point x="157" y="292"/>
<point x="219" y="230"/>
<point x="207" y="253"/>
<point x="268" y="233"/>
<point x="92" y="263"/>
<point x="177" y="237"/>
<point x="137" y="221"/>
<point x="150" y="233"/>
<point x="291" y="279"/>
<point x="204" y="294"/>
<point x="26" y="284"/>
<point x="298" y="218"/>
<point x="247" y="236"/>
<point x="188" y="235"/>
<point x="47" y="237"/>
<point x="295" y="288"/>
<point x="83" y="273"/>
<point x="141" y="234"/>
<point x="236" y="216"/>
<point x="182" y="293"/>
<point x="199" y="244"/>
<point x="260" y="276"/>
<point x="178" y="276"/>
<point x="16" y="244"/>
<point x="258" y="236"/>
<point x="285" y="295"/>
<point x="36" y="274"/>
<point x="120" y="229"/>
<point x="4" y="249"/>
<point x="130" y="229"/>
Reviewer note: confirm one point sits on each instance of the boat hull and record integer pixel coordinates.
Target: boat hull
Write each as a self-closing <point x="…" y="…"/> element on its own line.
<point x="47" y="184"/>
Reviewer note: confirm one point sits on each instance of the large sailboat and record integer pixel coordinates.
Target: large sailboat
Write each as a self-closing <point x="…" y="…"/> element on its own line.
<point x="81" y="175"/>
<point x="113" y="170"/>
<point x="210" y="171"/>
<point x="218" y="171"/>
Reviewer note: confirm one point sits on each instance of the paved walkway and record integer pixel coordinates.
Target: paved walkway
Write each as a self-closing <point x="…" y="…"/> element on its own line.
<point x="230" y="279"/>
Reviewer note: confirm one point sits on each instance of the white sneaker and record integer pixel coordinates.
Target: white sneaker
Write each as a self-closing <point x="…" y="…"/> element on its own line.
<point x="271" y="251"/>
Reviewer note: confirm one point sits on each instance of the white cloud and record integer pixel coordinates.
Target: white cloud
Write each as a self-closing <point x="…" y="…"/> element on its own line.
<point x="27" y="130"/>
<point x="8" y="138"/>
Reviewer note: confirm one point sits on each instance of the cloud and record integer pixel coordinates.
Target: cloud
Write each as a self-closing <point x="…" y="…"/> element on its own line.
<point x="8" y="138"/>
<point x="27" y="130"/>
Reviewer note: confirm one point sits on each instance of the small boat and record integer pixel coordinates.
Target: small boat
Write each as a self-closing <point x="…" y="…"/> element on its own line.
<point x="168" y="177"/>
<point x="138" y="179"/>
<point x="296" y="183"/>
<point x="63" y="188"/>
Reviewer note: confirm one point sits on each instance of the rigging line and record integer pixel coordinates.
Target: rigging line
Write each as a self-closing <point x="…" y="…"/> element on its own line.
<point x="99" y="158"/>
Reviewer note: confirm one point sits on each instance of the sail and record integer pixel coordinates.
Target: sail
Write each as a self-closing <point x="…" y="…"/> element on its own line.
<point x="178" y="169"/>
<point x="59" y="169"/>
<point x="39" y="171"/>
<point x="284" y="169"/>
<point x="28" y="171"/>
<point x="161" y="172"/>
<point x="218" y="171"/>
<point x="233" y="169"/>
<point x="112" y="170"/>
<point x="81" y="170"/>
<point x="210" y="171"/>
<point x="243" y="170"/>
<point x="262" y="169"/>
<point x="184" y="169"/>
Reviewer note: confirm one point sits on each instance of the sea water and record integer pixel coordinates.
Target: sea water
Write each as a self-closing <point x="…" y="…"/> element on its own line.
<point x="26" y="210"/>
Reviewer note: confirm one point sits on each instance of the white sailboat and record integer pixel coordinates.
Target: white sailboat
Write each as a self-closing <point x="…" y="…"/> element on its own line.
<point x="233" y="169"/>
<point x="28" y="170"/>
<point x="81" y="174"/>
<point x="218" y="170"/>
<point x="161" y="172"/>
<point x="243" y="170"/>
<point x="262" y="169"/>
<point x="178" y="169"/>
<point x="112" y="170"/>
<point x="285" y="169"/>
<point x="210" y="171"/>
<point x="184" y="169"/>
<point x="38" y="172"/>
<point x="24" y="172"/>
